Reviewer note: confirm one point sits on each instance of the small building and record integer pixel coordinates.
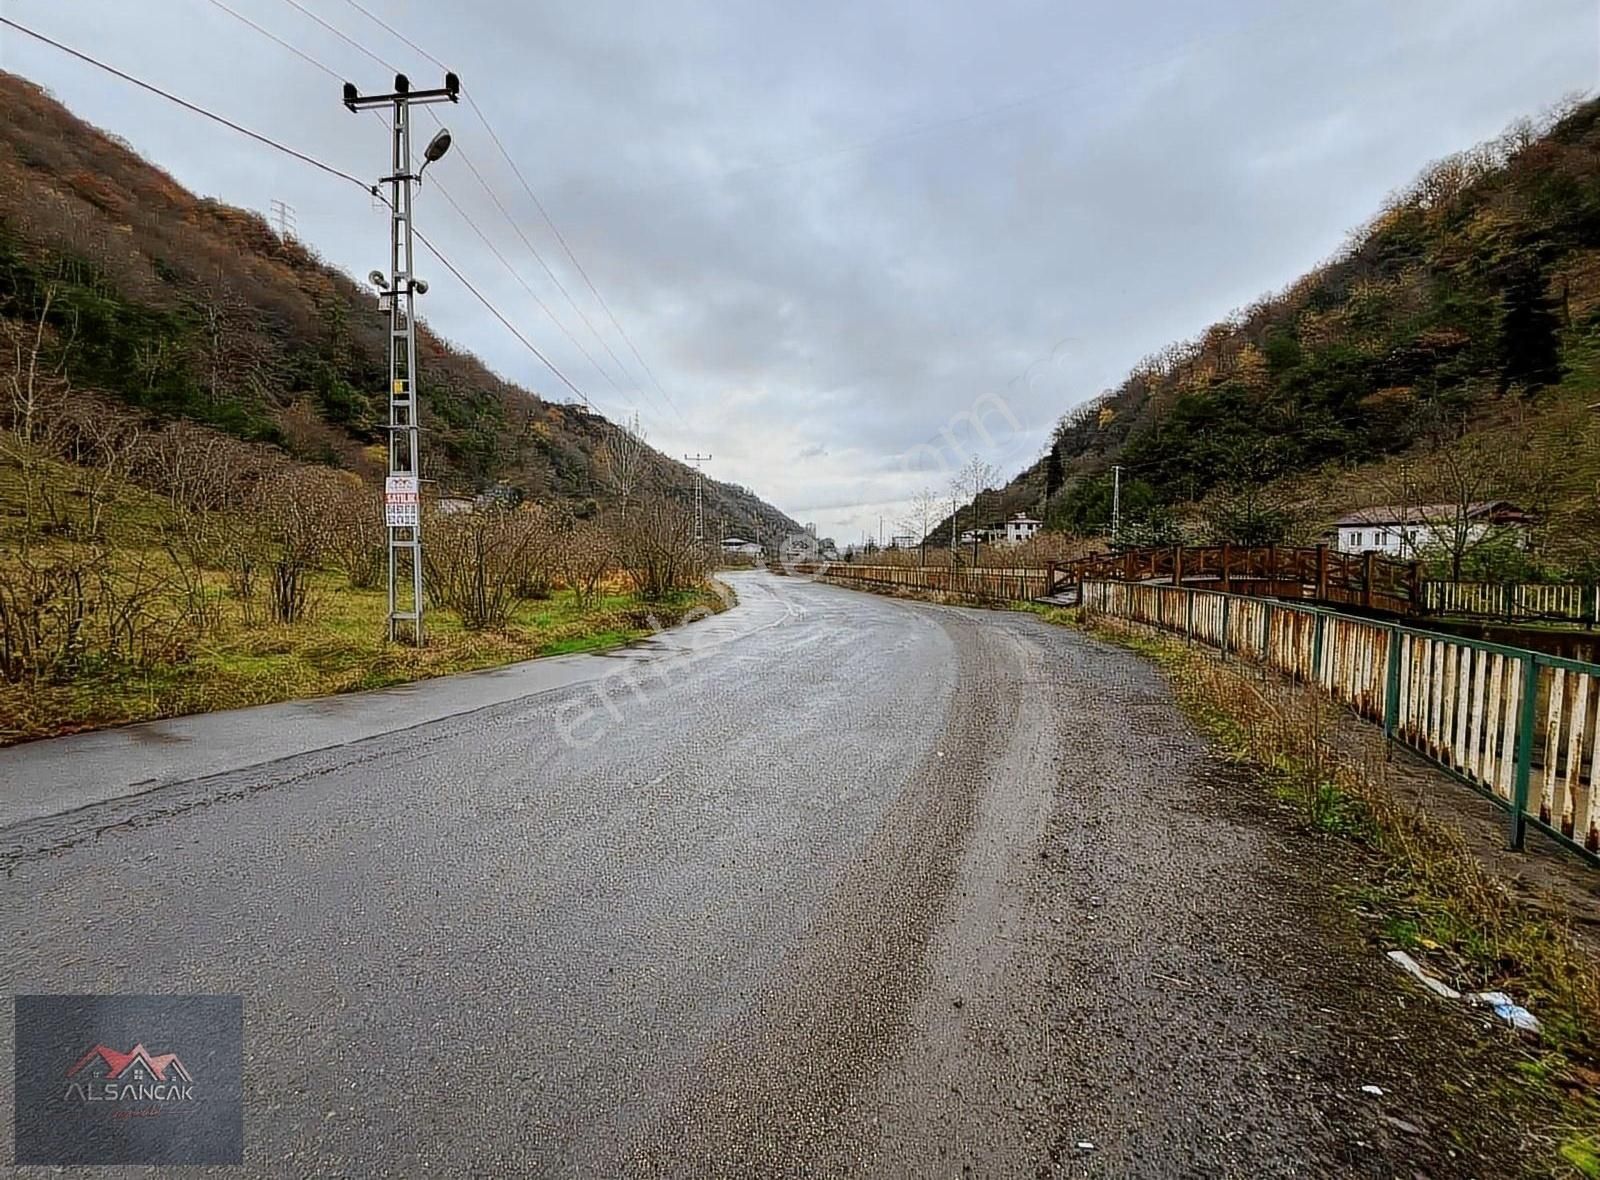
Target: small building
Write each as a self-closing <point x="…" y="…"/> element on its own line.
<point x="903" y="541"/>
<point x="1020" y="528"/>
<point x="1404" y="533"/>
<point x="739" y="547"/>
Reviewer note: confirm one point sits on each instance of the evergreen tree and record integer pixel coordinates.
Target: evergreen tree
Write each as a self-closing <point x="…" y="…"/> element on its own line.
<point x="1530" y="341"/>
<point x="1052" y="471"/>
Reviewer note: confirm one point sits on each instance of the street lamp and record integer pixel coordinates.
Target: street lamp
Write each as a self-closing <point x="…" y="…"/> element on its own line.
<point x="437" y="147"/>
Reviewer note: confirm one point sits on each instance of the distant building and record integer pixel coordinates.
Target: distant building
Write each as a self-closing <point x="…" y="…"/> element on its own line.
<point x="902" y="541"/>
<point x="1389" y="530"/>
<point x="1020" y="528"/>
<point x="739" y="547"/>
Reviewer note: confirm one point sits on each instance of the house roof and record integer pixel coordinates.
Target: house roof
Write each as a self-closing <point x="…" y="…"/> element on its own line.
<point x="1430" y="513"/>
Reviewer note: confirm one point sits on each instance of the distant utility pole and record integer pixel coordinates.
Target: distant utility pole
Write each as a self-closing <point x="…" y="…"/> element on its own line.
<point x="283" y="219"/>
<point x="699" y="499"/>
<point x="1405" y="504"/>
<point x="401" y="490"/>
<point x="1116" y="502"/>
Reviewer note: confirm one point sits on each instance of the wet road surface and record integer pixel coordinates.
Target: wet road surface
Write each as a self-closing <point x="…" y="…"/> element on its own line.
<point x="856" y="886"/>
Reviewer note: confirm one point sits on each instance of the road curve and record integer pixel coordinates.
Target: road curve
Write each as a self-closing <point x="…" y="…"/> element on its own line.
<point x="862" y="886"/>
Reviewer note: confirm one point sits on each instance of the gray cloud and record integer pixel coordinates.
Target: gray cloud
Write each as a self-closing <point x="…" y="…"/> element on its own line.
<point x="830" y="228"/>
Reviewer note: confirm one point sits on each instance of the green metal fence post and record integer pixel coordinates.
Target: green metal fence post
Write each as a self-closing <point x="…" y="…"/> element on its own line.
<point x="1189" y="631"/>
<point x="1266" y="634"/>
<point x="1316" y="648"/>
<point x="1391" y="699"/>
<point x="1226" y="601"/>
<point x="1527" y="720"/>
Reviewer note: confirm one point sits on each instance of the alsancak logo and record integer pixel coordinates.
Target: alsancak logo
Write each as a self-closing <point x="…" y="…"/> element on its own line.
<point x="104" y="1075"/>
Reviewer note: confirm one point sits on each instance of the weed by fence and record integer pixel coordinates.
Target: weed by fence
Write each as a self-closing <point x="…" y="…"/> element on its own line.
<point x="1517" y="725"/>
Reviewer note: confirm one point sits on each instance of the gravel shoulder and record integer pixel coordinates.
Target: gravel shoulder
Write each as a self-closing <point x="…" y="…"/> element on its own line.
<point x="1129" y="961"/>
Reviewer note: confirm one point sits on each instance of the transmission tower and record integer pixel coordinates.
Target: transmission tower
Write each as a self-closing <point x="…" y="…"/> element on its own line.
<point x="699" y="504"/>
<point x="282" y="219"/>
<point x="402" y="490"/>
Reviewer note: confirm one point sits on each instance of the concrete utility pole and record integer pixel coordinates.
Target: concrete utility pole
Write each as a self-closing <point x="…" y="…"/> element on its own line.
<point x="1116" y="502"/>
<point x="401" y="491"/>
<point x="1405" y="505"/>
<point x="699" y="503"/>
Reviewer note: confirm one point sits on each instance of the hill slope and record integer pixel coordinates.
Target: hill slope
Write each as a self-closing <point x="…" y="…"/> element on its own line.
<point x="1470" y="305"/>
<point x="187" y="307"/>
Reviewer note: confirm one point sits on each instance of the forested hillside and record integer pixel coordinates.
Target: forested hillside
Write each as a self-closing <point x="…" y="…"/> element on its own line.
<point x="185" y="307"/>
<point x="1452" y="342"/>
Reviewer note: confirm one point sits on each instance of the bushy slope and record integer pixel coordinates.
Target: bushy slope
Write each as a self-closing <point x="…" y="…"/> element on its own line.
<point x="1471" y="299"/>
<point x="187" y="307"/>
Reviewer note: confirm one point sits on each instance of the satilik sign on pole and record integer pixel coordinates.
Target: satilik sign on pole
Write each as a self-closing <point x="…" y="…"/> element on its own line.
<point x="402" y="502"/>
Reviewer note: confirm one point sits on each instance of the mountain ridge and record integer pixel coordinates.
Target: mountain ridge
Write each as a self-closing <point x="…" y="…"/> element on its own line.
<point x="182" y="306"/>
<point x="1468" y="305"/>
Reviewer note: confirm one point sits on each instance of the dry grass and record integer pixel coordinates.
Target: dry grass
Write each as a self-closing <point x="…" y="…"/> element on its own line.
<point x="198" y="645"/>
<point x="339" y="648"/>
<point x="1418" y="885"/>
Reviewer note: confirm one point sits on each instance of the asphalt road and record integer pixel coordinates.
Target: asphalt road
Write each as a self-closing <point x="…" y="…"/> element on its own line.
<point x="832" y="884"/>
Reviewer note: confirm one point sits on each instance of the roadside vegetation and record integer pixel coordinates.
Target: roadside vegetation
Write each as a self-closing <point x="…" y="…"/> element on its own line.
<point x="149" y="569"/>
<point x="1415" y="884"/>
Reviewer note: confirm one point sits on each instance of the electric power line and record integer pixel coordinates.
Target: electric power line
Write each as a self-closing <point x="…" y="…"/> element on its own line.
<point x="267" y="141"/>
<point x="300" y="53"/>
<point x="560" y="237"/>
<point x="471" y="167"/>
<point x="189" y="106"/>
<point x="543" y="213"/>
<point x="544" y="307"/>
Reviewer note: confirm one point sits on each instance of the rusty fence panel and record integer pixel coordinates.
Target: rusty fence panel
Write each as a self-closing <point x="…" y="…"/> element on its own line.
<point x="1520" y="726"/>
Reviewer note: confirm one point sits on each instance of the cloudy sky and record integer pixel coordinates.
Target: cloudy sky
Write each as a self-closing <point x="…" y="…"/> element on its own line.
<point x="832" y="229"/>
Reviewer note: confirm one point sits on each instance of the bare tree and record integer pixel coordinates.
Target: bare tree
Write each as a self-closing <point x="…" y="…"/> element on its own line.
<point x="35" y="394"/>
<point x="622" y="460"/>
<point x="657" y="548"/>
<point x="294" y="513"/>
<point x="585" y="556"/>
<point x="358" y="542"/>
<point x="1453" y="484"/>
<point x="475" y="562"/>
<point x="975" y="478"/>
<point x="925" y="511"/>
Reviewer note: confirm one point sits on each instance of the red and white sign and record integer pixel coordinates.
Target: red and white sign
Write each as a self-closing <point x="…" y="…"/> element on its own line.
<point x="402" y="502"/>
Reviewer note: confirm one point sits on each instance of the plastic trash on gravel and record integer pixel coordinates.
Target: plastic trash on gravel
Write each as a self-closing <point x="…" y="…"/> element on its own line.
<point x="1500" y="1003"/>
<point x="1509" y="1011"/>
